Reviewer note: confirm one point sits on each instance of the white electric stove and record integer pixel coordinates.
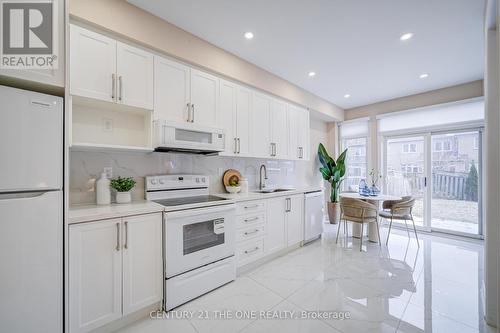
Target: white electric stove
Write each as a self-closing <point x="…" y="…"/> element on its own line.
<point x="198" y="239"/>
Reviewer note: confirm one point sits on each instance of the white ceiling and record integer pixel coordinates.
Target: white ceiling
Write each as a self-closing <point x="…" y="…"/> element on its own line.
<point x="352" y="45"/>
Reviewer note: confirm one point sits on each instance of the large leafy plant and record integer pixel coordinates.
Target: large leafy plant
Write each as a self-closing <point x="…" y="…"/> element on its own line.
<point x="332" y="171"/>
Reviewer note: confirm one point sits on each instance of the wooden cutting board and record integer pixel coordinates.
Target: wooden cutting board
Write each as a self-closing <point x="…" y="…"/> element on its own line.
<point x="229" y="175"/>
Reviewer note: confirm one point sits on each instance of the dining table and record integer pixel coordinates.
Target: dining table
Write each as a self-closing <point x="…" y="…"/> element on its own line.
<point x="376" y="200"/>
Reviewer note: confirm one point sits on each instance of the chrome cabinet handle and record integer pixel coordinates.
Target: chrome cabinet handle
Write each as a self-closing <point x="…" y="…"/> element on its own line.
<point x="192" y="111"/>
<point x="117" y="237"/>
<point x="252" y="206"/>
<point x="251" y="232"/>
<point x="251" y="251"/>
<point x="120" y="84"/>
<point x="288" y="205"/>
<point x="235" y="146"/>
<point x="113" y="86"/>
<point x="251" y="220"/>
<point x="271" y="148"/>
<point x="189" y="112"/>
<point x="239" y="146"/>
<point x="126" y="235"/>
<point x="275" y="150"/>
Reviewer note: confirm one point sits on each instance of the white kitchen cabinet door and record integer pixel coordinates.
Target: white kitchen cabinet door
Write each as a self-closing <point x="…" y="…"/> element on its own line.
<point x="275" y="239"/>
<point x="53" y="77"/>
<point x="134" y="70"/>
<point x="260" y="126"/>
<point x="172" y="90"/>
<point x="95" y="274"/>
<point x="92" y="65"/>
<point x="279" y="128"/>
<point x="244" y="107"/>
<point x="294" y="132"/>
<point x="228" y="96"/>
<point x="204" y="98"/>
<point x="142" y="261"/>
<point x="303" y="134"/>
<point x="295" y="219"/>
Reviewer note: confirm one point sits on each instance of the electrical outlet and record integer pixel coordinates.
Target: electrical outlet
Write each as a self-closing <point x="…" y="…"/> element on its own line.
<point x="109" y="172"/>
<point x="107" y="125"/>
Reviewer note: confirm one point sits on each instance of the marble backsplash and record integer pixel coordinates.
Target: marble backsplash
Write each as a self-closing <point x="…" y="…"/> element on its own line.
<point x="86" y="167"/>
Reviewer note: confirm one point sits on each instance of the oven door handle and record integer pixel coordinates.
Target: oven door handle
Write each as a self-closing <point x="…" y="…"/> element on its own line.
<point x="199" y="211"/>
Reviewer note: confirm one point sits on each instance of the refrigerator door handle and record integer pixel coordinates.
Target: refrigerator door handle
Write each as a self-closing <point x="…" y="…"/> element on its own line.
<point x="24" y="195"/>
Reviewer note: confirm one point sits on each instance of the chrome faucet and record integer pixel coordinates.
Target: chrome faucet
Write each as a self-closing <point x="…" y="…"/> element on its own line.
<point x="263" y="181"/>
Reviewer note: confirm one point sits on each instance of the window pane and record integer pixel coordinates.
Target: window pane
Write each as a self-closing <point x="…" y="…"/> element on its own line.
<point x="356" y="162"/>
<point x="455" y="182"/>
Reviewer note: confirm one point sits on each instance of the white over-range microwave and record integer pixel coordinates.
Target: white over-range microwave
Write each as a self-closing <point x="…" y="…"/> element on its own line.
<point x="187" y="137"/>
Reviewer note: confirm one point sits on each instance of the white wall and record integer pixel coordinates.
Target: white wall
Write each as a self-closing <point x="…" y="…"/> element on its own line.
<point x="492" y="179"/>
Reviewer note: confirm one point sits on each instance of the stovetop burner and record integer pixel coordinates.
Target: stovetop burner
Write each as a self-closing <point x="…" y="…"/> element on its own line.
<point x="188" y="200"/>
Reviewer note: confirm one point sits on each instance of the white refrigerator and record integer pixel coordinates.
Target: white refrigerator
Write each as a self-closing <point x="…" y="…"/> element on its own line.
<point x="31" y="212"/>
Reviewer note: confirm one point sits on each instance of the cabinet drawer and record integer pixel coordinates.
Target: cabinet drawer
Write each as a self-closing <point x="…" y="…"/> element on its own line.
<point x="251" y="232"/>
<point x="249" y="251"/>
<point x="244" y="221"/>
<point x="250" y="207"/>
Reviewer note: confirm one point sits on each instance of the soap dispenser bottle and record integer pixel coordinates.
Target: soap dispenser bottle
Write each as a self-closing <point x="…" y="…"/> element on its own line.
<point x="103" y="192"/>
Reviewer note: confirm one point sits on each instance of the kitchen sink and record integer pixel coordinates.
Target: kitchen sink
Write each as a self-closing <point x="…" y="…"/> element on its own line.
<point x="274" y="190"/>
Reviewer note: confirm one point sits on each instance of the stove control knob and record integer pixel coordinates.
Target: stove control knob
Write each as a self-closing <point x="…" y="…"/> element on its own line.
<point x="162" y="181"/>
<point x="153" y="181"/>
<point x="197" y="179"/>
<point x="203" y="179"/>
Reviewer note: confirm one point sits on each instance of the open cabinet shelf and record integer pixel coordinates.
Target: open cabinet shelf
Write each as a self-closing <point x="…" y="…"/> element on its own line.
<point x="107" y="126"/>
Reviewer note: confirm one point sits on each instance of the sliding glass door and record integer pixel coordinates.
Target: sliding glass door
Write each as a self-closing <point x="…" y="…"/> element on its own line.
<point x="456" y="180"/>
<point x="442" y="170"/>
<point x="405" y="171"/>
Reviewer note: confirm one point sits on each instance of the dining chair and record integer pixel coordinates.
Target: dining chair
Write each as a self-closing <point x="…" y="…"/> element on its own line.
<point x="357" y="211"/>
<point x="400" y="210"/>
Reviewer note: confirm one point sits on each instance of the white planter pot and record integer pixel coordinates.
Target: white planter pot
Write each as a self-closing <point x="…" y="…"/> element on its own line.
<point x="123" y="197"/>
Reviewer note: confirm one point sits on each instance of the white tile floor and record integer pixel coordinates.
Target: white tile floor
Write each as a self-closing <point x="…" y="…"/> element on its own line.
<point x="436" y="287"/>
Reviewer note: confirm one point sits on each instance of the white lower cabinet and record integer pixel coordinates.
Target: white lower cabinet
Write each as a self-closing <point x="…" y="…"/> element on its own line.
<point x="268" y="226"/>
<point x="295" y="219"/>
<point x="275" y="236"/>
<point x="115" y="268"/>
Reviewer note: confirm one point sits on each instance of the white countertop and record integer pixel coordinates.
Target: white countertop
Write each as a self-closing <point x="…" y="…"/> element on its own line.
<point x="254" y="195"/>
<point x="86" y="213"/>
<point x="92" y="212"/>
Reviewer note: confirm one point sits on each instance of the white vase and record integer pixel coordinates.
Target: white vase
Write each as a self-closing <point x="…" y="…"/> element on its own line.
<point x="123" y="197"/>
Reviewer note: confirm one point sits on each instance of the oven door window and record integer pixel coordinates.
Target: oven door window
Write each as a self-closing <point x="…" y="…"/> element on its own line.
<point x="202" y="235"/>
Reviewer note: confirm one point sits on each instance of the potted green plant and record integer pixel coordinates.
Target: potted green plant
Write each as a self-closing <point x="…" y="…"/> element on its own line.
<point x="333" y="172"/>
<point x="123" y="185"/>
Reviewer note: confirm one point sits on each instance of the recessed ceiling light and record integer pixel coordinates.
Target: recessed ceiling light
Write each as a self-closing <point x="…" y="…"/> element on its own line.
<point x="423" y="75"/>
<point x="347" y="96"/>
<point x="311" y="74"/>
<point x="248" y="35"/>
<point x="406" y="36"/>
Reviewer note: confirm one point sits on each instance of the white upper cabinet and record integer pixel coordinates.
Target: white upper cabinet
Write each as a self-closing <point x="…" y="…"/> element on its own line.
<point x="135" y="76"/>
<point x="304" y="135"/>
<point x="103" y="69"/>
<point x="92" y="65"/>
<point x="279" y="129"/>
<point x="204" y="98"/>
<point x="142" y="261"/>
<point x="53" y="77"/>
<point x="260" y="122"/>
<point x="172" y="90"/>
<point x="235" y="103"/>
<point x="243" y="109"/>
<point x="299" y="133"/>
<point x="228" y="115"/>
